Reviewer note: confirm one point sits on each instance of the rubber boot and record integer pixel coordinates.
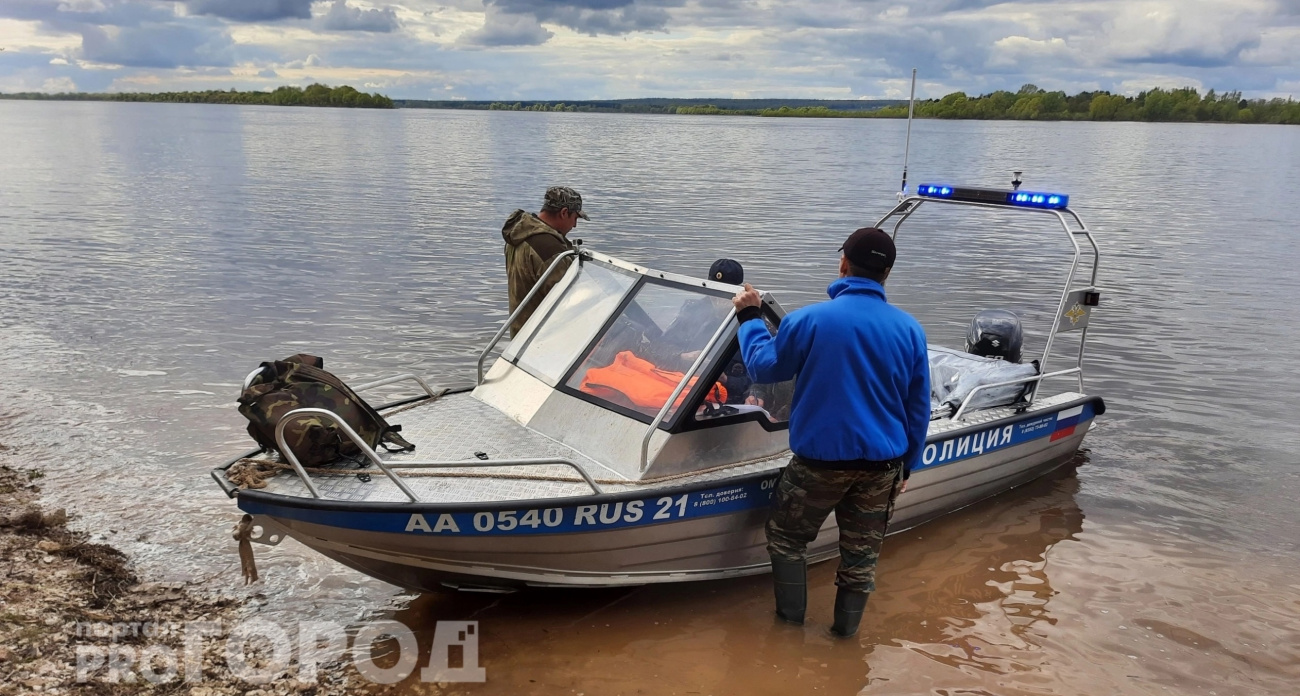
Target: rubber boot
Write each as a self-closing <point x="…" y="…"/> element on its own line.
<point x="849" y="606"/>
<point x="790" y="579"/>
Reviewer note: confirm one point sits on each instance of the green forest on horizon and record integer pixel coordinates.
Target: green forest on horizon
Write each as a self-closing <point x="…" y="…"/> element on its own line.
<point x="1032" y="103"/>
<point x="313" y="95"/>
<point x="1028" y="103"/>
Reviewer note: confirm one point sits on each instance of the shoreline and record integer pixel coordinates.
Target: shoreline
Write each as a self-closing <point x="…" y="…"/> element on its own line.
<point x="1102" y="109"/>
<point x="317" y="95"/>
<point x="75" y="618"/>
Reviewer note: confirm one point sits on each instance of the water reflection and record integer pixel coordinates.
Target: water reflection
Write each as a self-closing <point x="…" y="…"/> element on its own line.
<point x="993" y="558"/>
<point x="947" y="591"/>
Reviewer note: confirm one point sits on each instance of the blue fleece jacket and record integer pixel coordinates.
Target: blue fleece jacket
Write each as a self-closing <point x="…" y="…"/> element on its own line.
<point x="863" y="375"/>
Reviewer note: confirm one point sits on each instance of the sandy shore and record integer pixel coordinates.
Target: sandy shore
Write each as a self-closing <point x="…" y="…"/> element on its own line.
<point x="75" y="619"/>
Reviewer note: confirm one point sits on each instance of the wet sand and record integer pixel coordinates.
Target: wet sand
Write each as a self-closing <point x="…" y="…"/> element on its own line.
<point x="63" y="594"/>
<point x="1017" y="595"/>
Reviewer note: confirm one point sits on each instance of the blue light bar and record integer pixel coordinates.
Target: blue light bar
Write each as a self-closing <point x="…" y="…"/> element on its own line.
<point x="1021" y="199"/>
<point x="931" y="191"/>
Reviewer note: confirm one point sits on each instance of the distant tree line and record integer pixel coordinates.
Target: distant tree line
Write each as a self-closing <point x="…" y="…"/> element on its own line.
<point x="538" y="106"/>
<point x="312" y="95"/>
<point x="651" y="105"/>
<point x="1028" y="103"/>
<point x="1032" y="103"/>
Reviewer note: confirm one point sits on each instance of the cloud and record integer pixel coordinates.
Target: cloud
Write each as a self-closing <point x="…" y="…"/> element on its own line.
<point x="502" y="29"/>
<point x="156" y="46"/>
<point x="1193" y="33"/>
<point x="65" y="16"/>
<point x="59" y="84"/>
<point x="1020" y="52"/>
<point x="571" y="49"/>
<point x="343" y="17"/>
<point x="591" y="17"/>
<point x="1277" y="47"/>
<point x="311" y="61"/>
<point x="251" y="10"/>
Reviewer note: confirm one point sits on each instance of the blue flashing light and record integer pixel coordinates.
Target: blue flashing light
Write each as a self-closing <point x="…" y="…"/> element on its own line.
<point x="1022" y="199"/>
<point x="934" y="191"/>
<point x="1031" y="199"/>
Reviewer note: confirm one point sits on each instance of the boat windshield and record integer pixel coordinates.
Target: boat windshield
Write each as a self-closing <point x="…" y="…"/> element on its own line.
<point x="629" y="353"/>
<point x="551" y="341"/>
<point x="645" y="352"/>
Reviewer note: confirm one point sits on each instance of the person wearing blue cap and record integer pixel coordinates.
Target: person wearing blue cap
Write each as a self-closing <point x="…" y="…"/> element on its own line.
<point x="858" y="422"/>
<point x="727" y="271"/>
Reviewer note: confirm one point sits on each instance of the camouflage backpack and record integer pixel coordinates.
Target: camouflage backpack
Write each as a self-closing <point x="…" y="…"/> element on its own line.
<point x="300" y="382"/>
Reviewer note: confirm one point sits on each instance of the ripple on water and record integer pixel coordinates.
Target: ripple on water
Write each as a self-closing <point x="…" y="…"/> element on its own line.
<point x="154" y="251"/>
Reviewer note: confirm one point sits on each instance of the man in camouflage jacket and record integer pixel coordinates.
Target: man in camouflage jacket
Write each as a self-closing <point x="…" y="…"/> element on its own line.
<point x="533" y="242"/>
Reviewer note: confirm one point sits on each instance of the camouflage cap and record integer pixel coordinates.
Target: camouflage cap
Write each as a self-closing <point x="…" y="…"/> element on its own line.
<point x="564" y="198"/>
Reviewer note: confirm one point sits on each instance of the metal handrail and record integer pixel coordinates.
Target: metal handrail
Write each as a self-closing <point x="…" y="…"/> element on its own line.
<point x="347" y="430"/>
<point x="1096" y="265"/>
<point x="361" y="387"/>
<point x="1065" y="293"/>
<point x="595" y="488"/>
<point x="387" y="468"/>
<point x="909" y="205"/>
<point x="1023" y="380"/>
<point x="519" y="308"/>
<point x="681" y="386"/>
<point x="393" y="380"/>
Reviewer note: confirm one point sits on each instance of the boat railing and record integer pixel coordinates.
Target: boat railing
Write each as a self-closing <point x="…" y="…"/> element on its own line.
<point x="394" y="380"/>
<point x="681" y="386"/>
<point x="505" y="326"/>
<point x="248" y="381"/>
<point x="1071" y="224"/>
<point x="1035" y="379"/>
<point x="388" y="467"/>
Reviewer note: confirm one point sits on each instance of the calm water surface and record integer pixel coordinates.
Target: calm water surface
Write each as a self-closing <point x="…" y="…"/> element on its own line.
<point x="151" y="254"/>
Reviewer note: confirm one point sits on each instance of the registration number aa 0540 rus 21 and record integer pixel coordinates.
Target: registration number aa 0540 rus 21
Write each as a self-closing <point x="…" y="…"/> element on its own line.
<point x="605" y="515"/>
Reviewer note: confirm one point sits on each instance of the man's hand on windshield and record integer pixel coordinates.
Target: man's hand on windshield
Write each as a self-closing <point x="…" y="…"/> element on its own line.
<point x="747" y="298"/>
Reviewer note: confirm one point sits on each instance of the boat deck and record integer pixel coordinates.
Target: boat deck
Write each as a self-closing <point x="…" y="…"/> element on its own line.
<point x="459" y="427"/>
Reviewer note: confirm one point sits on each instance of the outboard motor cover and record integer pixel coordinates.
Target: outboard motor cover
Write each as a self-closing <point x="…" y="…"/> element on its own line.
<point x="995" y="333"/>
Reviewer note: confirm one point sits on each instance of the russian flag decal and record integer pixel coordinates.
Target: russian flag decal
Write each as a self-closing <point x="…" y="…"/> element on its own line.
<point x="1065" y="422"/>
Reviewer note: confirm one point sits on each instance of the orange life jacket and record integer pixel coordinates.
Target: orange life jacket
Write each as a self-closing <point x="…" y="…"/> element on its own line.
<point x="636" y="383"/>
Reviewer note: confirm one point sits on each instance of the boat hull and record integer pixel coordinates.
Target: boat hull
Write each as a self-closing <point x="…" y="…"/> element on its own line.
<point x="705" y="531"/>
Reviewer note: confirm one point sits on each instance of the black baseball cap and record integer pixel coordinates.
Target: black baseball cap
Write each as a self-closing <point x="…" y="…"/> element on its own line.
<point x="727" y="271"/>
<point x="870" y="248"/>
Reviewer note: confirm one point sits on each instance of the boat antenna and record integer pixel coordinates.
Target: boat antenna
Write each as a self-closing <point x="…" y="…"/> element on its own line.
<point x="907" y="144"/>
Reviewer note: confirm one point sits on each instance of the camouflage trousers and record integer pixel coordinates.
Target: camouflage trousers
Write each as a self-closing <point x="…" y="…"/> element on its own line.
<point x="862" y="501"/>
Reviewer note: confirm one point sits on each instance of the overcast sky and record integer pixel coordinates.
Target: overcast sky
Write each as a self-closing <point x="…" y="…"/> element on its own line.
<point x="594" y="49"/>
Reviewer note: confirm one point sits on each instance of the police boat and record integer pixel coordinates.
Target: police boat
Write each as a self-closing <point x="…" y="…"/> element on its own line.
<point x="618" y="440"/>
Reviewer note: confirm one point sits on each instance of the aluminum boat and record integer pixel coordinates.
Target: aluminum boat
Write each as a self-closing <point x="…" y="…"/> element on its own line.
<point x="617" y="439"/>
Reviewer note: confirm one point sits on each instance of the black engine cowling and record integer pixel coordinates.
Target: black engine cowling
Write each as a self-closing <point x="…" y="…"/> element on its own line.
<point x="995" y="333"/>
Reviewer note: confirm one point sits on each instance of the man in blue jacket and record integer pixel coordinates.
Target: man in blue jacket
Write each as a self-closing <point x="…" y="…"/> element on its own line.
<point x="857" y="424"/>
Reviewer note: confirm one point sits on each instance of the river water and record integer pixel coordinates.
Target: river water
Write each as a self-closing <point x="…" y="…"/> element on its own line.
<point x="152" y="254"/>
